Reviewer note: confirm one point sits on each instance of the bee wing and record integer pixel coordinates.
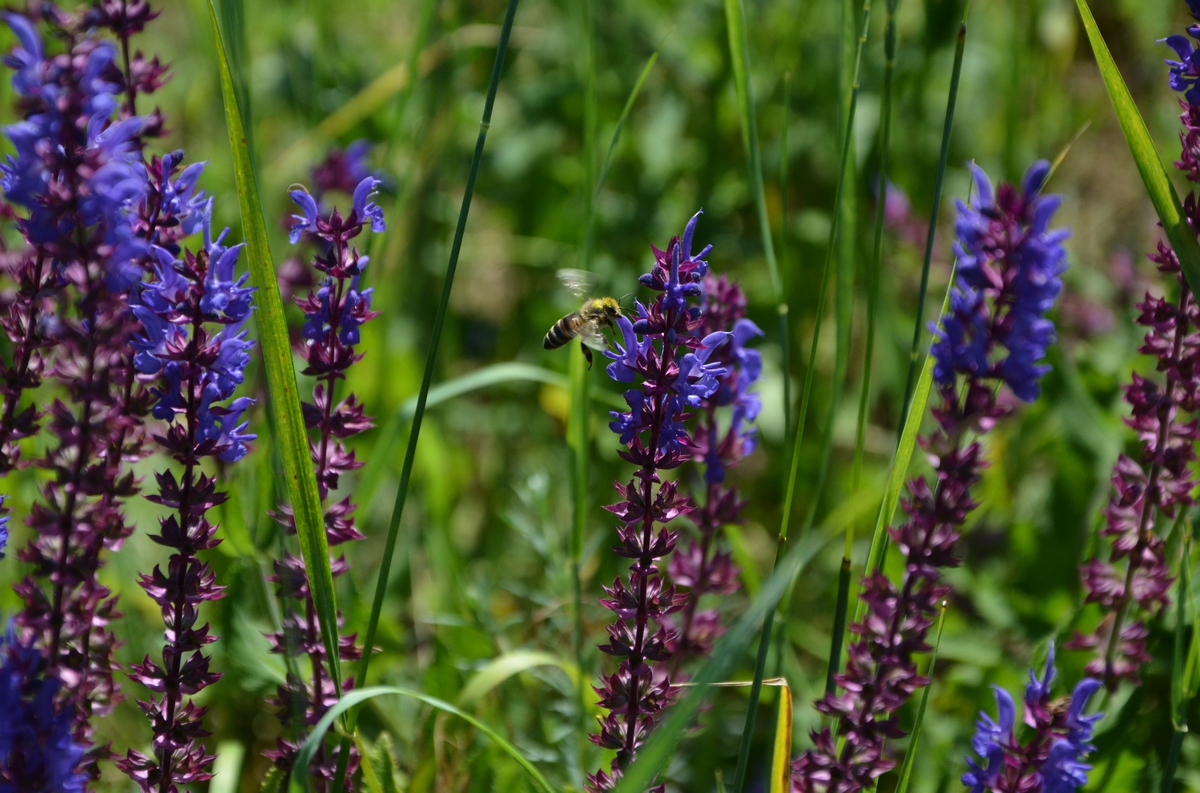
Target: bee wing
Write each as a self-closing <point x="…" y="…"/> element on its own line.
<point x="590" y="334"/>
<point x="579" y="282"/>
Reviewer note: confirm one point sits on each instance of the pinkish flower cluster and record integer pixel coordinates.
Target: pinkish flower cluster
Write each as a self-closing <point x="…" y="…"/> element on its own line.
<point x="1134" y="578"/>
<point x="701" y="564"/>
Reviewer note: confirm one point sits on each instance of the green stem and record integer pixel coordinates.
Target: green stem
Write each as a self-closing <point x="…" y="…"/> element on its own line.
<point x="797" y="438"/>
<point x="389" y="552"/>
<point x="943" y="156"/>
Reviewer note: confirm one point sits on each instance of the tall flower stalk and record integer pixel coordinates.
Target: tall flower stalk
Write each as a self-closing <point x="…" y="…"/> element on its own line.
<point x="995" y="333"/>
<point x="664" y="356"/>
<point x="192" y="351"/>
<point x="702" y="564"/>
<point x="1051" y="759"/>
<point x="78" y="177"/>
<point x="330" y="336"/>
<point x="1135" y="578"/>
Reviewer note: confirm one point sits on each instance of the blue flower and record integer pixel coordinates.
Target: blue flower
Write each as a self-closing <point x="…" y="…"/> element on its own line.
<point x="991" y="739"/>
<point x="697" y="378"/>
<point x="37" y="749"/>
<point x="625" y="367"/>
<point x="309" y="214"/>
<point x="1009" y="268"/>
<point x="3" y="530"/>
<point x="365" y="208"/>
<point x="1183" y="72"/>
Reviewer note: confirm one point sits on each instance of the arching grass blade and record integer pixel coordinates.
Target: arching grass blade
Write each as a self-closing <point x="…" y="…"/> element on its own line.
<point x="299" y="782"/>
<point x="1145" y="155"/>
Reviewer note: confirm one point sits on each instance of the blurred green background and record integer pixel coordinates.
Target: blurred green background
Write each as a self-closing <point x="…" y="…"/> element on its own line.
<point x="483" y="569"/>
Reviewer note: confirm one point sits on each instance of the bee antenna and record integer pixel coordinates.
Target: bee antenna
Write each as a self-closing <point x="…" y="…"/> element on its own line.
<point x="622" y="300"/>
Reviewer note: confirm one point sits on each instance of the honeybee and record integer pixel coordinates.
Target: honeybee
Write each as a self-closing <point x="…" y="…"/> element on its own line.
<point x="586" y="324"/>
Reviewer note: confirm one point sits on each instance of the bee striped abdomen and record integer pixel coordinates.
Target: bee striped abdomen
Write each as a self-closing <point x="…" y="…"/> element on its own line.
<point x="562" y="332"/>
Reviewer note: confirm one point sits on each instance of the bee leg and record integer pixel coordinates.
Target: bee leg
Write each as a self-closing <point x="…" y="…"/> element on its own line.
<point x="587" y="353"/>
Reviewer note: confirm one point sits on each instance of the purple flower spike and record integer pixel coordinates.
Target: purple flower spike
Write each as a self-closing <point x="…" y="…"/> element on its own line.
<point x="1009" y="266"/>
<point x="724" y="435"/>
<point x="1133" y="579"/>
<point x="1051" y="759"/>
<point x="192" y="350"/>
<point x="673" y="369"/>
<point x="334" y="313"/>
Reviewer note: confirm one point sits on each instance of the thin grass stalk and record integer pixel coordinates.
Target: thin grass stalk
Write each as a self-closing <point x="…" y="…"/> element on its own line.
<point x="579" y="419"/>
<point x="938" y="182"/>
<point x="910" y="755"/>
<point x="805" y="397"/>
<point x="414" y="434"/>
<point x="872" y="276"/>
<point x="739" y="56"/>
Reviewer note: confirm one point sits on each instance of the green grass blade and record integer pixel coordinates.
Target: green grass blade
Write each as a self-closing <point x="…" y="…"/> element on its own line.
<point x="911" y="754"/>
<point x="839" y="625"/>
<point x="739" y="55"/>
<point x="299" y="782"/>
<point x="579" y="437"/>
<point x="414" y="434"/>
<point x="809" y="376"/>
<point x="1149" y="164"/>
<point x="1180" y="698"/>
<point x="288" y="428"/>
<point x="657" y="752"/>
<point x="940" y="180"/>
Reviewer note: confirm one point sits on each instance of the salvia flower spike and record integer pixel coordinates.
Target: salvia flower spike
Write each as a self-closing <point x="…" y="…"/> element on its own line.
<point x="701" y="564"/>
<point x="334" y="312"/>
<point x="192" y="351"/>
<point x="76" y="187"/>
<point x="995" y="332"/>
<point x="1134" y="578"/>
<point x="1051" y="759"/>
<point x="662" y="353"/>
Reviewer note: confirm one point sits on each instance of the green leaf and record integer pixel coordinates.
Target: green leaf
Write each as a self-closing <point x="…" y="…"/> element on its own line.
<point x="288" y="422"/>
<point x="505" y="666"/>
<point x="272" y="782"/>
<point x="656" y="753"/>
<point x="316" y="739"/>
<point x="227" y="768"/>
<point x="911" y="754"/>
<point x="1145" y="155"/>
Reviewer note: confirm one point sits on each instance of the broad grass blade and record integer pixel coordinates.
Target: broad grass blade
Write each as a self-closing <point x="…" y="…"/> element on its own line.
<point x="288" y="425"/>
<point x="911" y="754"/>
<point x="227" y="769"/>
<point x="654" y="756"/>
<point x="299" y="781"/>
<point x="1145" y="155"/>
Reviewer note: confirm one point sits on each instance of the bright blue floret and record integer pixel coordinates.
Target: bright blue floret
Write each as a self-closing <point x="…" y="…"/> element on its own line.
<point x="37" y="751"/>
<point x="1008" y="277"/>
